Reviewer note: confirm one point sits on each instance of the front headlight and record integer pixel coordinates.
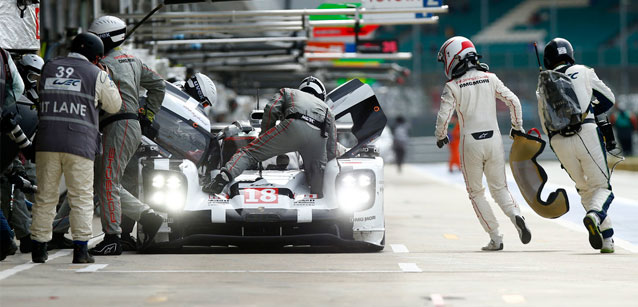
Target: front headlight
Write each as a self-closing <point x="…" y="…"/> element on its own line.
<point x="356" y="190"/>
<point x="165" y="190"/>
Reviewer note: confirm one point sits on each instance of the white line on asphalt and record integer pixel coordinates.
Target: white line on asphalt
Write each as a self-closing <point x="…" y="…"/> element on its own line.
<point x="92" y="268"/>
<point x="617" y="241"/>
<point x="23" y="267"/>
<point x="513" y="298"/>
<point x="243" y="271"/>
<point x="410" y="268"/>
<point x="399" y="248"/>
<point x="437" y="300"/>
<point x="430" y="171"/>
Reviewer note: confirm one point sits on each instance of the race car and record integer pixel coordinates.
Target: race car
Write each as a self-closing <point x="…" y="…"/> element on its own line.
<point x="271" y="203"/>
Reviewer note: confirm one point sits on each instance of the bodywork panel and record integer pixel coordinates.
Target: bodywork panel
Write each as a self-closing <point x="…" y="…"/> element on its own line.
<point x="531" y="177"/>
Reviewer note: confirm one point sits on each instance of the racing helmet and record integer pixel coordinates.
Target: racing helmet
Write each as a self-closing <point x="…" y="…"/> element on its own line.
<point x="202" y="88"/>
<point x="88" y="45"/>
<point x="30" y="68"/>
<point x="556" y="51"/>
<point x="312" y="85"/>
<point x="110" y="29"/>
<point x="455" y="54"/>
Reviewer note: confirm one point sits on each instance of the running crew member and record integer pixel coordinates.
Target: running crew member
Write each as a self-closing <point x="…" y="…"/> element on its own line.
<point x="472" y="92"/>
<point x="581" y="150"/>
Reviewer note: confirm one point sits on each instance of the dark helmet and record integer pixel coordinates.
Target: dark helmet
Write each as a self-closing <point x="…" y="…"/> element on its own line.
<point x="88" y="45"/>
<point x="312" y="85"/>
<point x="556" y="51"/>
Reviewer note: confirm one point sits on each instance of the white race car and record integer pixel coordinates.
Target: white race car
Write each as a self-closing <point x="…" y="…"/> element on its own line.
<point x="269" y="204"/>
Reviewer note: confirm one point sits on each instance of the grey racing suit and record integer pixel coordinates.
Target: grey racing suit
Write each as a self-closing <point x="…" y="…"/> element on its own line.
<point x="583" y="154"/>
<point x="291" y="134"/>
<point x="473" y="95"/>
<point x="122" y="137"/>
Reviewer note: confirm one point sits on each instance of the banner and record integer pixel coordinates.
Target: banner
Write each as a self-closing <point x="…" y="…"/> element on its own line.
<point x="397" y="4"/>
<point x="20" y="29"/>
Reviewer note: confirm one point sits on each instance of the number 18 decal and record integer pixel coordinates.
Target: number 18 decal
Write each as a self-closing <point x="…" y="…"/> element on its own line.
<point x="261" y="196"/>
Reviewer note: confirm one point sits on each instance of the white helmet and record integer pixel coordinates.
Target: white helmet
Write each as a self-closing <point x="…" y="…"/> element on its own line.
<point x="453" y="52"/>
<point x="202" y="88"/>
<point x="110" y="29"/>
<point x="30" y="68"/>
<point x="313" y="86"/>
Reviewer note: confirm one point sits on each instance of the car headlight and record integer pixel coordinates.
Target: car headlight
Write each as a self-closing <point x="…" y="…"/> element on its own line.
<point x="165" y="190"/>
<point x="356" y="190"/>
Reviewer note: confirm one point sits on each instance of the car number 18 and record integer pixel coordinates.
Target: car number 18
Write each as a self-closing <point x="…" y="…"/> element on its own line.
<point x="261" y="195"/>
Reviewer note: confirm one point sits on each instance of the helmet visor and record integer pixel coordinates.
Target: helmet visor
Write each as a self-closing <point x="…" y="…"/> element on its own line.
<point x="33" y="77"/>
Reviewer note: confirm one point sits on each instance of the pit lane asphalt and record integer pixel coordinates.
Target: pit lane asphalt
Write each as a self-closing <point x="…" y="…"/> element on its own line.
<point x="432" y="258"/>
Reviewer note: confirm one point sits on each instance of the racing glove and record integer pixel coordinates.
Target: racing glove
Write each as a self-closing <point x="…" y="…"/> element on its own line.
<point x="514" y="132"/>
<point x="150" y="128"/>
<point x="20" y="181"/>
<point x="441" y="142"/>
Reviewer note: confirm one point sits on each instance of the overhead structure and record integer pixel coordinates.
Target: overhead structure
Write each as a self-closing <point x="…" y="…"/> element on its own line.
<point x="235" y="43"/>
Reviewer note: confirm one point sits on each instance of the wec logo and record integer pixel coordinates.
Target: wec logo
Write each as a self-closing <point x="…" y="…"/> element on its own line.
<point x="72" y="82"/>
<point x="63" y="84"/>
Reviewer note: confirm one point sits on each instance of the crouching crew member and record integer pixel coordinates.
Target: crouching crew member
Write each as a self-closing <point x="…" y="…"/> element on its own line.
<point x="306" y="125"/>
<point x="72" y="89"/>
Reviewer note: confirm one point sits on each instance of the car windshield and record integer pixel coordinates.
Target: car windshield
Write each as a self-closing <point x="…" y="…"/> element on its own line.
<point x="179" y="136"/>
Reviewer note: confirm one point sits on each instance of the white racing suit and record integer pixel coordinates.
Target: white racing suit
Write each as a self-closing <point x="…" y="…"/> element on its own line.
<point x="121" y="138"/>
<point x="473" y="95"/>
<point x="583" y="154"/>
<point x="291" y="135"/>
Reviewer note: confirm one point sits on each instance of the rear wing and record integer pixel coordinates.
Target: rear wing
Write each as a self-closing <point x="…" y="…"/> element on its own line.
<point x="368" y="120"/>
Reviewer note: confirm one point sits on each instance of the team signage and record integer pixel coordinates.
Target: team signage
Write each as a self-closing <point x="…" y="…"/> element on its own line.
<point x="398" y="4"/>
<point x="378" y="46"/>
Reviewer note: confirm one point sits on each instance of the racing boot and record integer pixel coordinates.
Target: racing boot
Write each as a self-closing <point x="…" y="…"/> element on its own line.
<point x="110" y="246"/>
<point x="608" y="246"/>
<point x="151" y="223"/>
<point x="39" y="253"/>
<point x="129" y="243"/>
<point x="81" y="253"/>
<point x="592" y="223"/>
<point x="496" y="244"/>
<point x="217" y="185"/>
<point x="59" y="241"/>
<point x="26" y="245"/>
<point x="523" y="232"/>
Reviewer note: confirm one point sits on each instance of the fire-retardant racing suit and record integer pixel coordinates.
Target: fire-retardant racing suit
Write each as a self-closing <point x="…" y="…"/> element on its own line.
<point x="473" y="95"/>
<point x="583" y="154"/>
<point x="121" y="136"/>
<point x="295" y="110"/>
